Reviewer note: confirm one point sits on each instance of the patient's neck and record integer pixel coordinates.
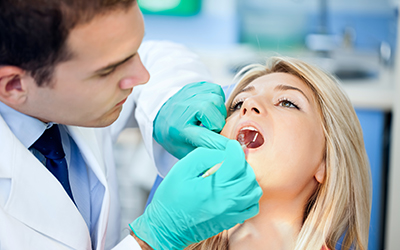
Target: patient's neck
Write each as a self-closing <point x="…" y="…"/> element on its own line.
<point x="275" y="227"/>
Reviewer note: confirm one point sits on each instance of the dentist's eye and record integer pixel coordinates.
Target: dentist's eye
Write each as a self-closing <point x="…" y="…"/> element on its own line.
<point x="107" y="72"/>
<point x="236" y="106"/>
<point x="286" y="103"/>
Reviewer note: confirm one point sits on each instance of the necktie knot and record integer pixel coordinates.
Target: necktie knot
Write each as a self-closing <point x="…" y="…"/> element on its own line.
<point x="49" y="144"/>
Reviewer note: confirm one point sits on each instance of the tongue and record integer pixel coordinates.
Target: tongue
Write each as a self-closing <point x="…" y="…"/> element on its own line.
<point x="251" y="138"/>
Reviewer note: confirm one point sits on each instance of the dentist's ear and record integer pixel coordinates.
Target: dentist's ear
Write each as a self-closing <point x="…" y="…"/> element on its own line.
<point x="13" y="91"/>
<point x="320" y="174"/>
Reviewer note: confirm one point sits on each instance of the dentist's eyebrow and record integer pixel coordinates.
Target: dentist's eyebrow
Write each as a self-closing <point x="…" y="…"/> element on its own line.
<point x="113" y="65"/>
<point x="288" y="87"/>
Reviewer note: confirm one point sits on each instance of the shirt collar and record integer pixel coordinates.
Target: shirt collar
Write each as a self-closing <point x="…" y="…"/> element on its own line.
<point x="26" y="128"/>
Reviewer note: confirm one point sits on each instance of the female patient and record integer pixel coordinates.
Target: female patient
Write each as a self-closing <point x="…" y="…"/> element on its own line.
<point x="305" y="145"/>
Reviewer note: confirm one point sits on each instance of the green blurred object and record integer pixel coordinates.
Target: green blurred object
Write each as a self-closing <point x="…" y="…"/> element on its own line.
<point x="273" y="25"/>
<point x="170" y="7"/>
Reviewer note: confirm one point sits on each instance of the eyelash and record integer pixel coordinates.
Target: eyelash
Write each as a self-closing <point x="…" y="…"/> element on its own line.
<point x="234" y="105"/>
<point x="286" y="100"/>
<point x="292" y="104"/>
<point x="109" y="72"/>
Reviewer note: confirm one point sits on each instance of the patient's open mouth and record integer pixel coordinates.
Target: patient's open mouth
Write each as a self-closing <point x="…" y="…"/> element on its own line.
<point x="251" y="137"/>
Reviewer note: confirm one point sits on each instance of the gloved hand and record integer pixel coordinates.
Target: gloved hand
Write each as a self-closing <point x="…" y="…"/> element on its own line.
<point x="187" y="208"/>
<point x="177" y="124"/>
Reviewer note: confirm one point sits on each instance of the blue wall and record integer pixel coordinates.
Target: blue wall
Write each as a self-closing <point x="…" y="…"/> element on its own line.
<point x="372" y="123"/>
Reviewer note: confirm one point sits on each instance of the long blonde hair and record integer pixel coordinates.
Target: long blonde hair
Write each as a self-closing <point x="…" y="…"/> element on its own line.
<point x="341" y="205"/>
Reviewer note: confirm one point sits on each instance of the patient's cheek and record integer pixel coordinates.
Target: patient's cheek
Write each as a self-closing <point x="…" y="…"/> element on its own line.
<point x="225" y="131"/>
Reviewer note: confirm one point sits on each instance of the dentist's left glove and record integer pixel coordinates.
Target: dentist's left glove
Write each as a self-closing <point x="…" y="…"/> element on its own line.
<point x="177" y="124"/>
<point x="187" y="208"/>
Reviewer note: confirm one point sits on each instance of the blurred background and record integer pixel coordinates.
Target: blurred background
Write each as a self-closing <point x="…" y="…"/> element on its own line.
<point x="356" y="40"/>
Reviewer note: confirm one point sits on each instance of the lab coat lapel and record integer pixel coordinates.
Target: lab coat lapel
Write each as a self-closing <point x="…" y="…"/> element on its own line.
<point x="36" y="198"/>
<point x="89" y="142"/>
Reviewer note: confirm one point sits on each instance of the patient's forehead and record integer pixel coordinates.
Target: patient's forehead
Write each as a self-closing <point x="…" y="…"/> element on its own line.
<point x="276" y="79"/>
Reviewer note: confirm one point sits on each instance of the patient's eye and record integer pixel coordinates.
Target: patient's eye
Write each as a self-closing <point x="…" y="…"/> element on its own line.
<point x="236" y="105"/>
<point x="287" y="103"/>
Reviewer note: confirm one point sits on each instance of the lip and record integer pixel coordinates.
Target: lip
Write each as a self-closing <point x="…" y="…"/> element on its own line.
<point x="121" y="102"/>
<point x="250" y="124"/>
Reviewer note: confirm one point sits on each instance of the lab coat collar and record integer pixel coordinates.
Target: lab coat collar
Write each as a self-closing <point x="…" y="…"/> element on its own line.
<point x="17" y="123"/>
<point x="36" y="197"/>
<point x="89" y="141"/>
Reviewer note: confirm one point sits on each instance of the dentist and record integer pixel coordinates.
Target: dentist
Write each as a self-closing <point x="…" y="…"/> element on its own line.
<point x="73" y="75"/>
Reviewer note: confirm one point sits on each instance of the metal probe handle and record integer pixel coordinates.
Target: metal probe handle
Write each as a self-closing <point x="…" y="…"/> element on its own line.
<point x="214" y="169"/>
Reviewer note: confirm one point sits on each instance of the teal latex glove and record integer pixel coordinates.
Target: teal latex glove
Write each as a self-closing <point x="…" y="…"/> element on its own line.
<point x="177" y="124"/>
<point x="187" y="208"/>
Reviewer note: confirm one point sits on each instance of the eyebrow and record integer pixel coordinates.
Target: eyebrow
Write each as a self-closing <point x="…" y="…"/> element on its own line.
<point x="114" y="65"/>
<point x="288" y="87"/>
<point x="247" y="89"/>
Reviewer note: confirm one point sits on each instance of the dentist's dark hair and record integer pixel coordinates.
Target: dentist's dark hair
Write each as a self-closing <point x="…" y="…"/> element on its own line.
<point x="33" y="33"/>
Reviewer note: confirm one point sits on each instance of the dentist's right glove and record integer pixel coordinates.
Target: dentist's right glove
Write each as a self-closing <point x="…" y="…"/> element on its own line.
<point x="177" y="124"/>
<point x="187" y="208"/>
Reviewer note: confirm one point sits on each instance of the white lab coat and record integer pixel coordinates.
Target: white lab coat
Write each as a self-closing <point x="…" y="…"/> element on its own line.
<point x="36" y="212"/>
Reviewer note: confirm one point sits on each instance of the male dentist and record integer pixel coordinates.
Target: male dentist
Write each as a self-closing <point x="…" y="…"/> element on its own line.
<point x="71" y="78"/>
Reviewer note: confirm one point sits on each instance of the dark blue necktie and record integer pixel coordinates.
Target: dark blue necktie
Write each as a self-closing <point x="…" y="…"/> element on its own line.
<point x="49" y="145"/>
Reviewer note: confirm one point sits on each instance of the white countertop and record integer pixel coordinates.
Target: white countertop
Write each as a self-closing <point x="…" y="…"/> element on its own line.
<point x="370" y="93"/>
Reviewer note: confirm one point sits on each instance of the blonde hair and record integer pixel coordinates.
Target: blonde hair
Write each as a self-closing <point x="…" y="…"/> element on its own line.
<point x="219" y="241"/>
<point x="341" y="205"/>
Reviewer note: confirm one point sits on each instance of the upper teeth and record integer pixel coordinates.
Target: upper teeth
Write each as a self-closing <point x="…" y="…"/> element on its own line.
<point x="249" y="128"/>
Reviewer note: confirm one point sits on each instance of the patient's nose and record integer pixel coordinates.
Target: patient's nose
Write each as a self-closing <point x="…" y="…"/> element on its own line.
<point x="250" y="106"/>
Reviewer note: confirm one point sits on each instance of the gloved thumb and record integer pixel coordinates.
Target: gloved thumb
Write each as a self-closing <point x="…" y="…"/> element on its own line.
<point x="234" y="164"/>
<point x="205" y="138"/>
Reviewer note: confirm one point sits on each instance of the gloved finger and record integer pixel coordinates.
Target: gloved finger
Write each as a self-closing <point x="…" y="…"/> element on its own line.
<point x="211" y="98"/>
<point x="195" y="88"/>
<point x="249" y="212"/>
<point x="202" y="137"/>
<point x="198" y="161"/>
<point x="211" y="116"/>
<point x="238" y="194"/>
<point x="245" y="200"/>
<point x="234" y="165"/>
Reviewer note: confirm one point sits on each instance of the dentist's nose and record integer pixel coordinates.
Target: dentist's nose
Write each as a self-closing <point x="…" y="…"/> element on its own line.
<point x="138" y="75"/>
